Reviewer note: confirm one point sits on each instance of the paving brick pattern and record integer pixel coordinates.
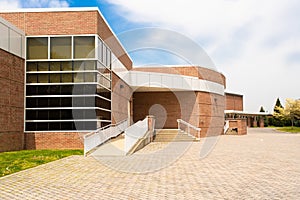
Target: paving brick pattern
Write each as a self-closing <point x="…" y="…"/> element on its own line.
<point x="261" y="165"/>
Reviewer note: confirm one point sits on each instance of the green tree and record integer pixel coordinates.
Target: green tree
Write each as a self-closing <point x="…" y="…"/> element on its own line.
<point x="262" y="109"/>
<point x="290" y="112"/>
<point x="277" y="105"/>
<point x="275" y="120"/>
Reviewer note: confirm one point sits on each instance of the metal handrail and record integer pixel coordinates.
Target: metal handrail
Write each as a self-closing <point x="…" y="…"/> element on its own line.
<point x="180" y="121"/>
<point x="104" y="127"/>
<point x="94" y="139"/>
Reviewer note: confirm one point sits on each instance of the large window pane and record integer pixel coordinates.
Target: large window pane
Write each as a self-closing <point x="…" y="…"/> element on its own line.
<point x="54" y="102"/>
<point x="43" y="78"/>
<point x="31" y="78"/>
<point x="99" y="50"/>
<point x="54" y="126"/>
<point x="78" y="66"/>
<point x="66" y="102"/>
<point x="30" y="126"/>
<point x="66" y="66"/>
<point x="31" y="103"/>
<point x="37" y="48"/>
<point x="84" y="47"/>
<point x="67" y="78"/>
<point x="31" y="66"/>
<point x="54" y="78"/>
<point x="89" y="101"/>
<point x="66" y="89"/>
<point x="4" y="39"/>
<point x="78" y="77"/>
<point x="43" y="66"/>
<point x="108" y="58"/>
<point x="89" y="65"/>
<point x="104" y="54"/>
<point x="90" y="77"/>
<point x="60" y="48"/>
<point x="103" y="103"/>
<point x="55" y="66"/>
<point x="31" y="114"/>
<point x="103" y="81"/>
<point x="31" y="90"/>
<point x="103" y="92"/>
<point x="54" y="89"/>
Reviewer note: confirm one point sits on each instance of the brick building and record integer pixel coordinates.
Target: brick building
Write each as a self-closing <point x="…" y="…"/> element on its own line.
<point x="75" y="77"/>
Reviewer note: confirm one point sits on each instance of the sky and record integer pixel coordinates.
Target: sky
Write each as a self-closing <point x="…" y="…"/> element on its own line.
<point x="254" y="43"/>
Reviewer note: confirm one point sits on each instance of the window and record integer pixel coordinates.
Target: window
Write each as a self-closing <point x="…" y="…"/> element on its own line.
<point x="100" y="50"/>
<point x="84" y="47"/>
<point x="66" y="66"/>
<point x="80" y="78"/>
<point x="43" y="66"/>
<point x="67" y="78"/>
<point x="90" y="77"/>
<point x="31" y="66"/>
<point x="89" y="65"/>
<point x="60" y="48"/>
<point x="43" y="78"/>
<point x="55" y="66"/>
<point x="37" y="48"/>
<point x="54" y="78"/>
<point x="31" y="78"/>
<point x="104" y="55"/>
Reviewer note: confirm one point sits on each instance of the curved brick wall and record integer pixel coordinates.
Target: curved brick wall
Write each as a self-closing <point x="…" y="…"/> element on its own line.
<point x="201" y="109"/>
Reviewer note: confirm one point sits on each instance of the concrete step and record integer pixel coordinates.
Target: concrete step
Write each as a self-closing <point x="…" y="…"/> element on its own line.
<point x="172" y="135"/>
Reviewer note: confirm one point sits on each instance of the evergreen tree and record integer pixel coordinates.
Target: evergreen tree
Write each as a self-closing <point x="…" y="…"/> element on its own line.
<point x="262" y="109"/>
<point x="275" y="120"/>
<point x="277" y="105"/>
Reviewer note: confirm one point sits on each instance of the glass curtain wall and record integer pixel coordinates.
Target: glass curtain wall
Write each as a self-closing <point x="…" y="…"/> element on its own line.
<point x="68" y="83"/>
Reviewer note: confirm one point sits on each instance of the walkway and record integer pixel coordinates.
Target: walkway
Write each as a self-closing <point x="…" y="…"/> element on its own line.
<point x="261" y="165"/>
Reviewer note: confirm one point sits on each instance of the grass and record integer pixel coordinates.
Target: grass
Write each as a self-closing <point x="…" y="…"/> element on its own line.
<point x="289" y="129"/>
<point x="11" y="162"/>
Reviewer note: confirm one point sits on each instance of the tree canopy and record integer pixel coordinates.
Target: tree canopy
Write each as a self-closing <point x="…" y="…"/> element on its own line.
<point x="290" y="112"/>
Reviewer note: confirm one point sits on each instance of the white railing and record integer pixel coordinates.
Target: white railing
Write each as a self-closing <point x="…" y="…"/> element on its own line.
<point x="226" y="126"/>
<point x="188" y="126"/>
<point x="103" y="134"/>
<point x="138" y="131"/>
<point x="138" y="79"/>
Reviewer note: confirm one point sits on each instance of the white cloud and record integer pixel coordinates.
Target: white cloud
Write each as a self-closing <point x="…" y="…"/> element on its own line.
<point x="9" y="5"/>
<point x="251" y="41"/>
<point x="44" y="3"/>
<point x="13" y="4"/>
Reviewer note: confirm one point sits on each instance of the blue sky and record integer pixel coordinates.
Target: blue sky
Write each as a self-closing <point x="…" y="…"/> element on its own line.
<point x="254" y="43"/>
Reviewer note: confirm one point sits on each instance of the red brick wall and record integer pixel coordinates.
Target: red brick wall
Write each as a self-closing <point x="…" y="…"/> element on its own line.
<point x="67" y="23"/>
<point x="52" y="140"/>
<point x="121" y="95"/>
<point x="11" y="102"/>
<point x="240" y="125"/>
<point x="234" y="102"/>
<point x="200" y="109"/>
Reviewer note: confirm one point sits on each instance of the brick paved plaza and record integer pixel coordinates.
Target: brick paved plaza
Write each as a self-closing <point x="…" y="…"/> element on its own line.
<point x="261" y="165"/>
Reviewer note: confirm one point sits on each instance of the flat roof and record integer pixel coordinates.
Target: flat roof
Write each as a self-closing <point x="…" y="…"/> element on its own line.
<point x="245" y="112"/>
<point x="234" y="94"/>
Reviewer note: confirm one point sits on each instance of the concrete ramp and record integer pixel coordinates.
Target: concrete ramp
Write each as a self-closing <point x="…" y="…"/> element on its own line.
<point x="113" y="147"/>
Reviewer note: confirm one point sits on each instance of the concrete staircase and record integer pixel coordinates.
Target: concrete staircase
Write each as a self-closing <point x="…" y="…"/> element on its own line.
<point x="172" y="135"/>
